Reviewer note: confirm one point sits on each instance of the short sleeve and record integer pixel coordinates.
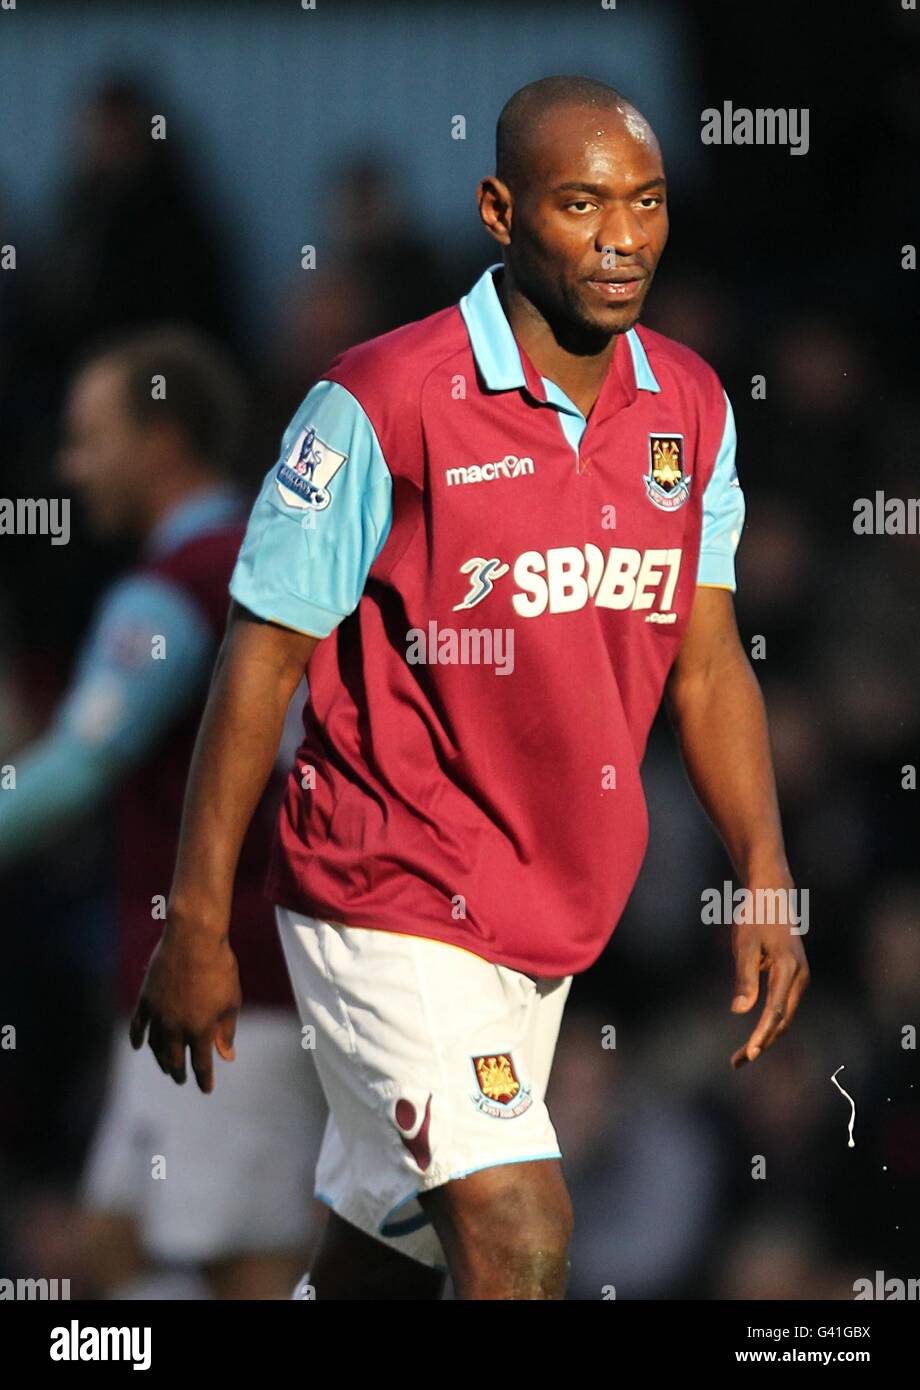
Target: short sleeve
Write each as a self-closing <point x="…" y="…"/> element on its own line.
<point x="723" y="513"/>
<point x="320" y="520"/>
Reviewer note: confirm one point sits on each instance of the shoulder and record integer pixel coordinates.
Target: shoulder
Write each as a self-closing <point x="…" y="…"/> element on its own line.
<point x="387" y="374"/>
<point x="678" y="369"/>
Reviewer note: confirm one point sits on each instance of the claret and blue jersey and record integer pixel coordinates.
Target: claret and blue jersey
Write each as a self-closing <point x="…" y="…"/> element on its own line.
<point x="434" y="483"/>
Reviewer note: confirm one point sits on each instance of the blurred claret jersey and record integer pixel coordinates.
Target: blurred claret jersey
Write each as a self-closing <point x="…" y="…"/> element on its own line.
<point x="504" y="585"/>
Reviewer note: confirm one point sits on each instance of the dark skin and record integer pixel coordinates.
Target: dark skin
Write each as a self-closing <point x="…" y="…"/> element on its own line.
<point x="594" y="203"/>
<point x="584" y="194"/>
<point x="717" y="711"/>
<point x="596" y="185"/>
<point x="191" y="995"/>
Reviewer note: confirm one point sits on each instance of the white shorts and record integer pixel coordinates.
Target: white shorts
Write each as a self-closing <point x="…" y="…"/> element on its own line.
<point x="237" y="1164"/>
<point x="434" y="1063"/>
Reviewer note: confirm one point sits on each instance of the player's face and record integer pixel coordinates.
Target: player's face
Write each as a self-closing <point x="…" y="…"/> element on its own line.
<point x="104" y="453"/>
<point x="597" y="188"/>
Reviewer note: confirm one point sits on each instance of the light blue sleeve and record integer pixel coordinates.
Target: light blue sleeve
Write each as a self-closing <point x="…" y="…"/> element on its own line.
<point x="146" y="657"/>
<point x="320" y="520"/>
<point x="723" y="513"/>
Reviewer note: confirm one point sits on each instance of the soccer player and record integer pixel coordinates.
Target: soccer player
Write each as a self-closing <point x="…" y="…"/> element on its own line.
<point x="152" y="467"/>
<point x="498" y="536"/>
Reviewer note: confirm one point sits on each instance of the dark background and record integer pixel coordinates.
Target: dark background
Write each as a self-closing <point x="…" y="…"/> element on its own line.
<point x="333" y="128"/>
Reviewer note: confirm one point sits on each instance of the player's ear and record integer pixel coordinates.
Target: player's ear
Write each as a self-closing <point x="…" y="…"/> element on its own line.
<point x="494" y="198"/>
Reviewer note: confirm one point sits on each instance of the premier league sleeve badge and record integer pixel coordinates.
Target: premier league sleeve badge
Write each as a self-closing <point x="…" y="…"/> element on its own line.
<point x="303" y="478"/>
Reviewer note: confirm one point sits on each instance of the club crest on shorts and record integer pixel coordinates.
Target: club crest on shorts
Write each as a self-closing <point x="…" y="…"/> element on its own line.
<point x="303" y="478"/>
<point x="665" y="482"/>
<point x="501" y="1094"/>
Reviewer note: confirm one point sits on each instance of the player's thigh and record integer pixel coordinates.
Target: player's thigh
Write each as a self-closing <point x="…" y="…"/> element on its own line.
<point x="512" y="1209"/>
<point x="351" y="1264"/>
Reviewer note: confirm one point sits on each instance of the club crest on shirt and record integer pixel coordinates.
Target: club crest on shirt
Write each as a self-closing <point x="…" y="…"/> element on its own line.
<point x="501" y="1094"/>
<point x="665" y="482"/>
<point x="303" y="478"/>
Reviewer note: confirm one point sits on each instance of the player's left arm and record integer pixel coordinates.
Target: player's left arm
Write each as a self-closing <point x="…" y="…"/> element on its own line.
<point x="717" y="710"/>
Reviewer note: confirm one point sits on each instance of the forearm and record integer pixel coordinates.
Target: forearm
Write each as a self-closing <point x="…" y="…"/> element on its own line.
<point x="254" y="679"/>
<point x="719" y="717"/>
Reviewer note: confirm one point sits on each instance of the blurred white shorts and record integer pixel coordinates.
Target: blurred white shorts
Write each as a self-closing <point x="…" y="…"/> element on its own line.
<point x="434" y="1063"/>
<point x="237" y="1165"/>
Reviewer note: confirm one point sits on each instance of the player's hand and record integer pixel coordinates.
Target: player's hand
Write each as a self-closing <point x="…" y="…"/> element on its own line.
<point x="190" y="998"/>
<point x="773" y="947"/>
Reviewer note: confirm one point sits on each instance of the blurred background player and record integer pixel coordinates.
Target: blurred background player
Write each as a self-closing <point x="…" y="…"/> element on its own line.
<point x="222" y="1186"/>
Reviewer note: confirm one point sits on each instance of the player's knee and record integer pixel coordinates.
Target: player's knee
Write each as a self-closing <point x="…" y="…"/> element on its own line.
<point x="507" y="1239"/>
<point x="534" y="1235"/>
<point x="535" y="1258"/>
<point x="518" y="1261"/>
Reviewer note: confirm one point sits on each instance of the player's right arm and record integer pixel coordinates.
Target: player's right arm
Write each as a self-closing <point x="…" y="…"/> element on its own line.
<point x="191" y="992"/>
<point x="313" y="534"/>
<point x="258" y="668"/>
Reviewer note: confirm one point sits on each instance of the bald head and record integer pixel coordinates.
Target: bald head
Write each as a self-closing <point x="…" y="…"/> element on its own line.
<point x="578" y="204"/>
<point x="522" y="120"/>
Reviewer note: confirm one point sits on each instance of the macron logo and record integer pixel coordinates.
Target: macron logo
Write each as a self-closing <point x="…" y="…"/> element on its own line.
<point x="508" y="467"/>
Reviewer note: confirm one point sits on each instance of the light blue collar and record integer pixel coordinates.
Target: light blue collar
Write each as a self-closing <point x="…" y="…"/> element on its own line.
<point x="214" y="506"/>
<point x="496" y="351"/>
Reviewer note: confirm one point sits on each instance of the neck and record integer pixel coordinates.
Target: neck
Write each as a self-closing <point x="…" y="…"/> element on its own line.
<point x="575" y="359"/>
